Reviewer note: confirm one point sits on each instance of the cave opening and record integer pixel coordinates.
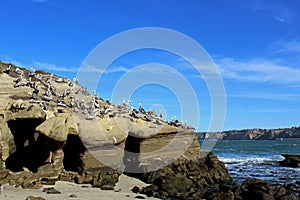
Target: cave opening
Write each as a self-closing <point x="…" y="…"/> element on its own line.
<point x="27" y="153"/>
<point x="131" y="155"/>
<point x="73" y="154"/>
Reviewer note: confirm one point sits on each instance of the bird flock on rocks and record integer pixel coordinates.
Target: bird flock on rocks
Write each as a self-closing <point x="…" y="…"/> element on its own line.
<point x="44" y="92"/>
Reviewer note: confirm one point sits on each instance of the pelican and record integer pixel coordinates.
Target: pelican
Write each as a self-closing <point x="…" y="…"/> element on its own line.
<point x="128" y="102"/>
<point x="49" y="80"/>
<point x="31" y="72"/>
<point x="59" y="80"/>
<point x="160" y="114"/>
<point x="61" y="103"/>
<point x="75" y="80"/>
<point x="70" y="83"/>
<point x="141" y="109"/>
<point x="45" y="105"/>
<point x="18" y="71"/>
<point x="115" y="139"/>
<point x="17" y="80"/>
<point x="38" y="76"/>
<point x="7" y="70"/>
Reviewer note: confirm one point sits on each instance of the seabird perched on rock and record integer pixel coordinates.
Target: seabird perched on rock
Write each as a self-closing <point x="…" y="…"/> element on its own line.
<point x="7" y="69"/>
<point x="128" y="102"/>
<point x="158" y="122"/>
<point x="61" y="103"/>
<point x="49" y="79"/>
<point x="53" y="90"/>
<point x="38" y="76"/>
<point x="33" y="95"/>
<point x="96" y="103"/>
<point x="31" y="72"/>
<point x="78" y="91"/>
<point x="81" y="104"/>
<point x="48" y="95"/>
<point x="17" y="80"/>
<point x="75" y="80"/>
<point x="141" y="109"/>
<point x="160" y="114"/>
<point x="148" y="118"/>
<point x="45" y="105"/>
<point x="91" y="117"/>
<point x="85" y="111"/>
<point x="59" y="80"/>
<point x="18" y="71"/>
<point x="70" y="83"/>
<point x="67" y="92"/>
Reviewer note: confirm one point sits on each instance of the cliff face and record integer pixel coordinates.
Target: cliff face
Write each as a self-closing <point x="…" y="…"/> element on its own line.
<point x="257" y="134"/>
<point x="52" y="128"/>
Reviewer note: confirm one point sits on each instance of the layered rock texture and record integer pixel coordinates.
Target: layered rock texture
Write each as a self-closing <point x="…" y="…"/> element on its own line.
<point x="53" y="129"/>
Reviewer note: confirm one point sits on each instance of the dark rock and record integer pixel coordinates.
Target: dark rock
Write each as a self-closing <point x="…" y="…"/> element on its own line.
<point x="290" y="160"/>
<point x="288" y="197"/>
<point x="277" y="190"/>
<point x="218" y="195"/>
<point x="51" y="190"/>
<point x="256" y="189"/>
<point x="186" y="178"/>
<point x="136" y="189"/>
<point x="73" y="196"/>
<point x="105" y="178"/>
<point x="139" y="197"/>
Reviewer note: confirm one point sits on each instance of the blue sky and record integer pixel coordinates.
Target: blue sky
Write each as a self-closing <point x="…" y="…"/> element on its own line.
<point x="255" y="44"/>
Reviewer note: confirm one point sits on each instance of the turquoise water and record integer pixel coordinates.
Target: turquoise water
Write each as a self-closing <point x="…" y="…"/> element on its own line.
<point x="258" y="159"/>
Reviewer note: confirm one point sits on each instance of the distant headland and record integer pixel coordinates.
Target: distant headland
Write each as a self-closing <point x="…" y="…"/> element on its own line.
<point x="292" y="133"/>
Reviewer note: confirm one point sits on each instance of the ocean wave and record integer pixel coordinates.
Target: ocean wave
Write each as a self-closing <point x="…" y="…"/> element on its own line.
<point x="245" y="161"/>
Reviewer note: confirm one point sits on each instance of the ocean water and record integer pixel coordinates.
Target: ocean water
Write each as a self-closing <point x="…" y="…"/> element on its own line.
<point x="258" y="159"/>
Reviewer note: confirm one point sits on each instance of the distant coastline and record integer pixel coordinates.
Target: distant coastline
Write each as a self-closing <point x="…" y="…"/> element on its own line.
<point x="292" y="133"/>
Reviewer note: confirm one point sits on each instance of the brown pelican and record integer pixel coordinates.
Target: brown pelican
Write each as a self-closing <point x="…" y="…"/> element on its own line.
<point x="31" y="72"/>
<point x="7" y="70"/>
<point x="18" y="71"/>
<point x="49" y="79"/>
<point x="141" y="109"/>
<point x="17" y="80"/>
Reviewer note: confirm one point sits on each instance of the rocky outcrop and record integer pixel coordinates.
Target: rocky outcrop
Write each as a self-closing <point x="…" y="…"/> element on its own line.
<point x="256" y="134"/>
<point x="290" y="160"/>
<point x="188" y="179"/>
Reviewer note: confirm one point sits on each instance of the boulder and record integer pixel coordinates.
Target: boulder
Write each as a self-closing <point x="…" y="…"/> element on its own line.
<point x="187" y="179"/>
<point x="290" y="160"/>
<point x="56" y="128"/>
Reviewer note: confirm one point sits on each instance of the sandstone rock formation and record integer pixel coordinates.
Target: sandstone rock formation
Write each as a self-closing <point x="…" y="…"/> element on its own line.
<point x="52" y="126"/>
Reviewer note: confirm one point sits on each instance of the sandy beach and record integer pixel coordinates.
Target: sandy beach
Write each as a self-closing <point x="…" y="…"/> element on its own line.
<point x="84" y="191"/>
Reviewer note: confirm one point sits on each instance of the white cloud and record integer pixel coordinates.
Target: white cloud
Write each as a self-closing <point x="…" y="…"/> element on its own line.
<point x="271" y="96"/>
<point x="292" y="46"/>
<point x="281" y="12"/>
<point x="52" y="67"/>
<point x="258" y="70"/>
